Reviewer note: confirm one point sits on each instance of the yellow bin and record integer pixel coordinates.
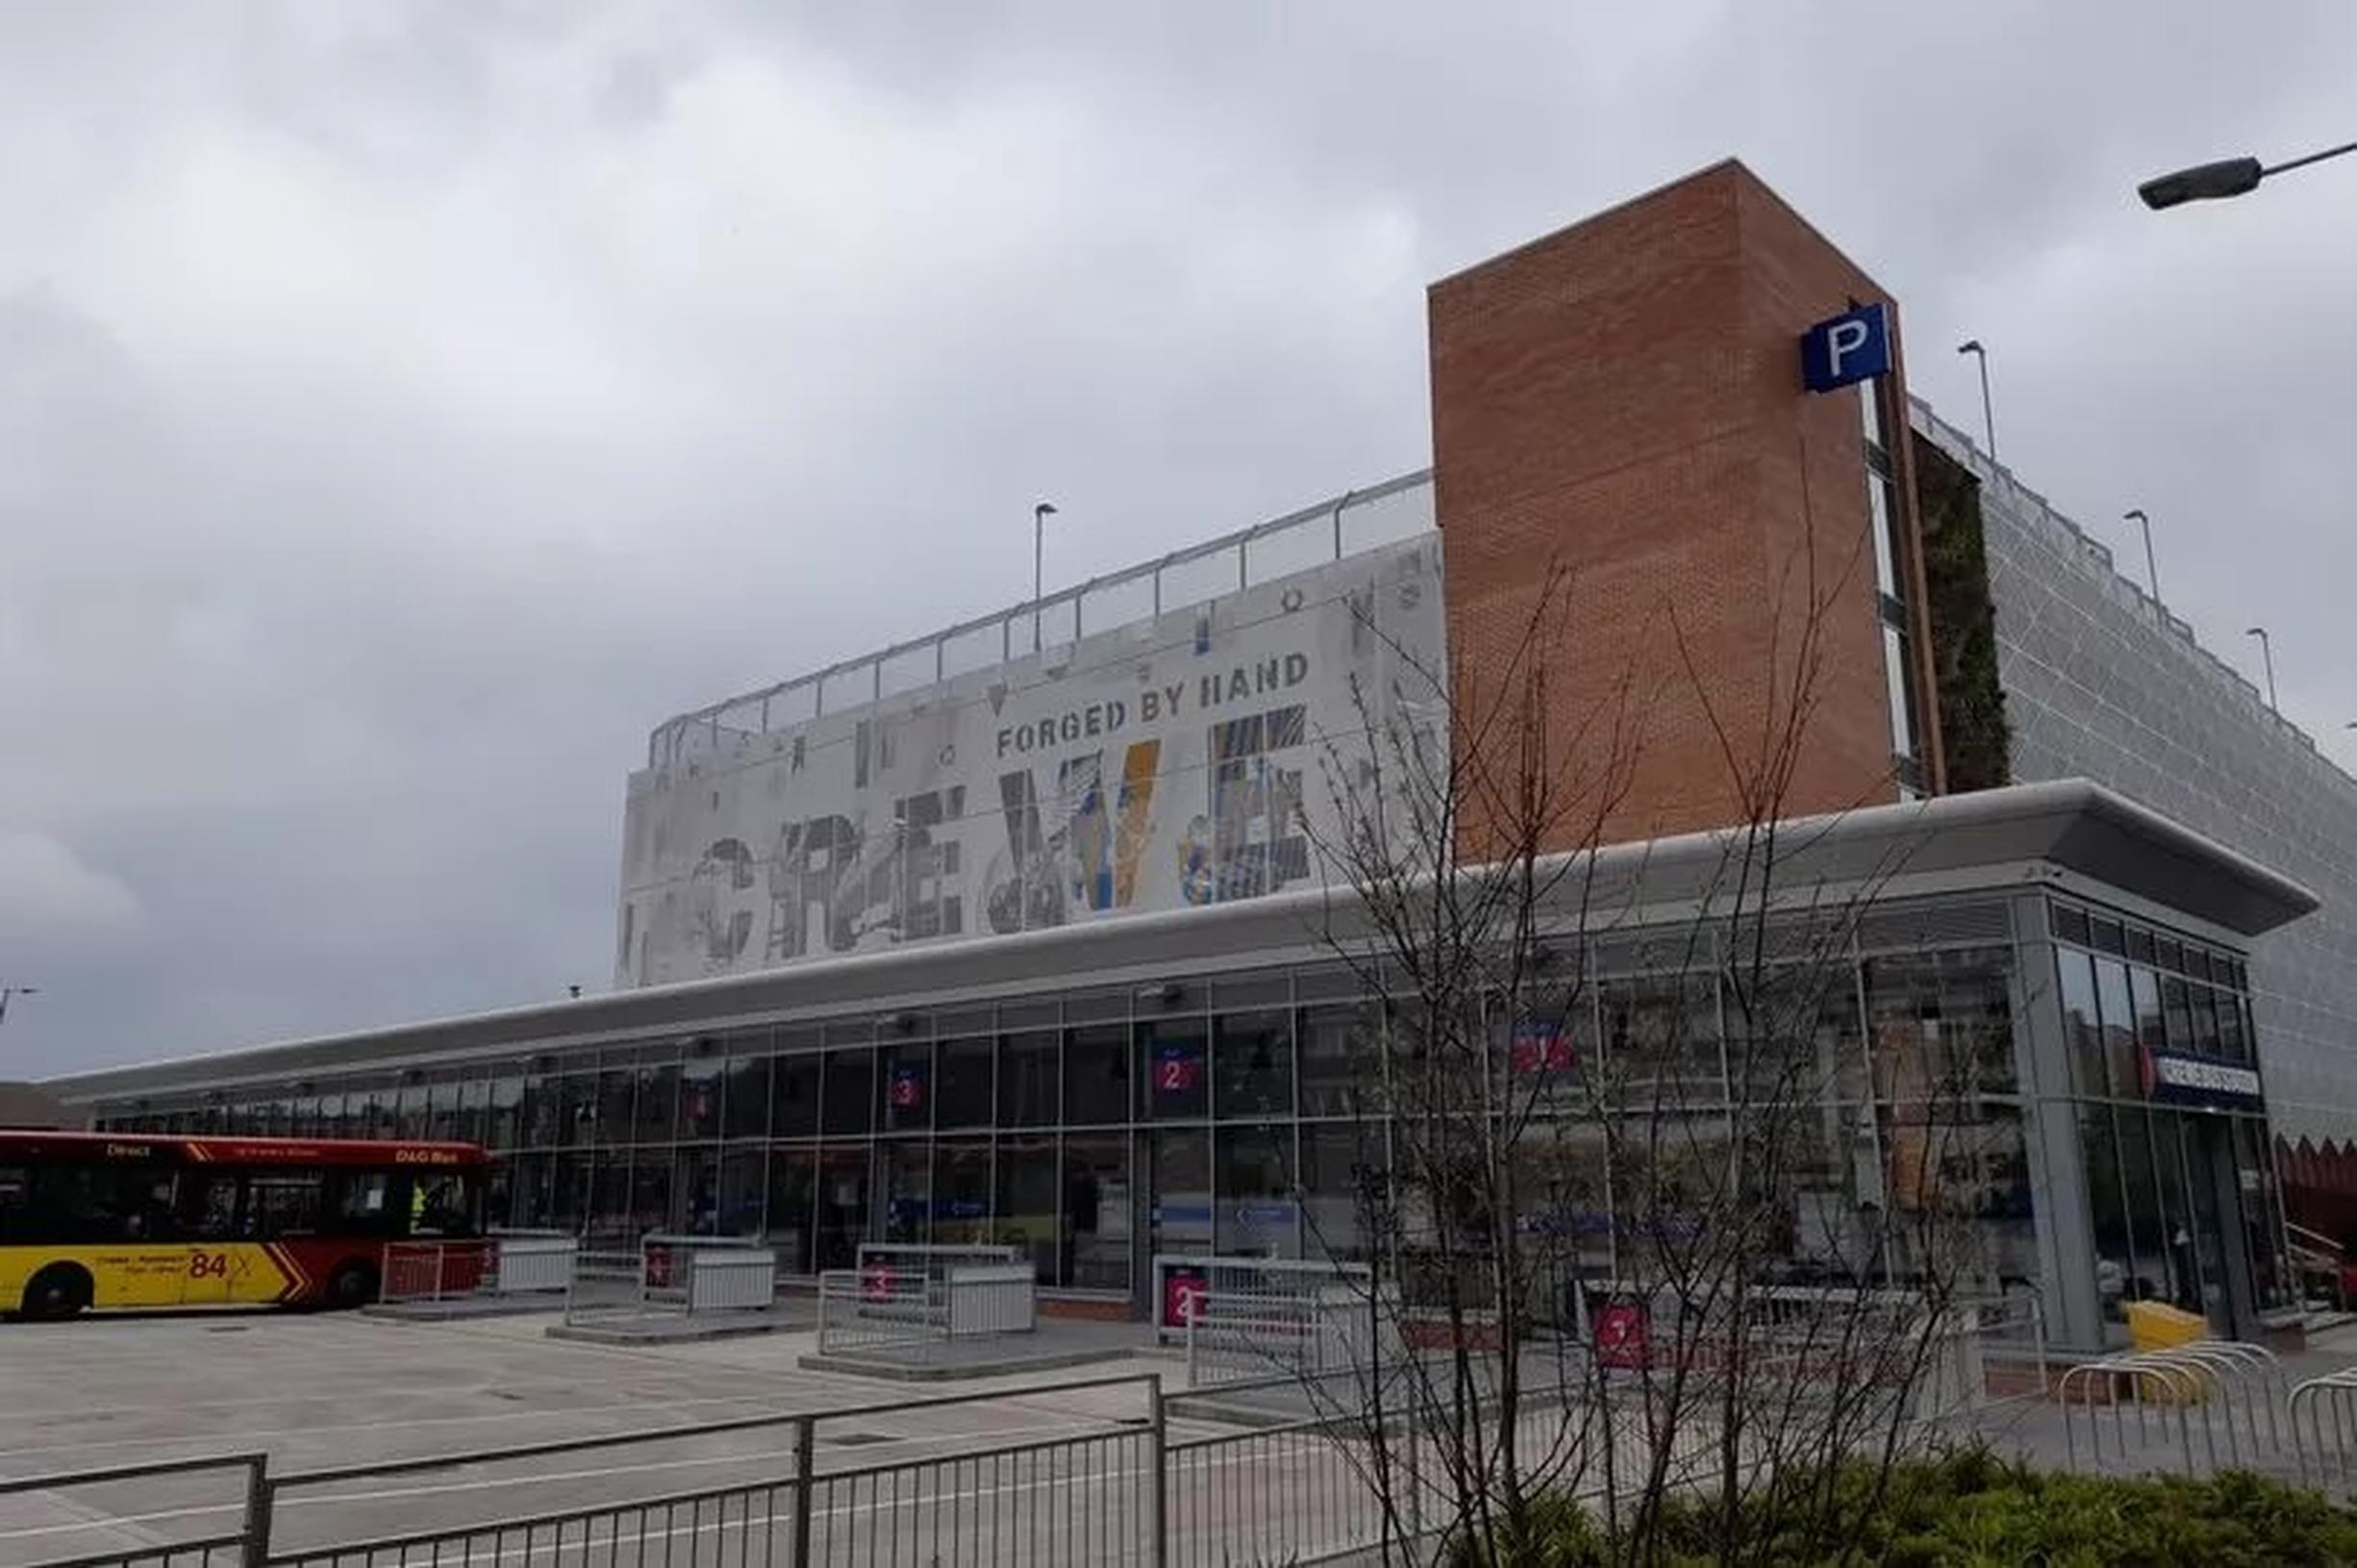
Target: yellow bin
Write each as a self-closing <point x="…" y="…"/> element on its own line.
<point x="2159" y="1326"/>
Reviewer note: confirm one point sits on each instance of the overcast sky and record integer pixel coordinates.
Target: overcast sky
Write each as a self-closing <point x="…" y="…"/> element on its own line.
<point x="403" y="406"/>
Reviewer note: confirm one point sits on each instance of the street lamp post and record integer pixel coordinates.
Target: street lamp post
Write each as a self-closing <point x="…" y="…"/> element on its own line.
<point x="1039" y="514"/>
<point x="2267" y="653"/>
<point x="9" y="993"/>
<point x="1988" y="418"/>
<point x="2227" y="177"/>
<point x="2153" y="573"/>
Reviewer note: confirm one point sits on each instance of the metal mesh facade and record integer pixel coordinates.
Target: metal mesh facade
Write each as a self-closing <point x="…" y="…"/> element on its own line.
<point x="2101" y="683"/>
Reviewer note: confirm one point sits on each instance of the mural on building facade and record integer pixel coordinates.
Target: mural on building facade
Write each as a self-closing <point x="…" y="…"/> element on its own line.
<point x="1171" y="762"/>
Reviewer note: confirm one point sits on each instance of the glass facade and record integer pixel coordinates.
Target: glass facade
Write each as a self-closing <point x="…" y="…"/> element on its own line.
<point x="1885" y="527"/>
<point x="2172" y="1191"/>
<point x="1230" y="1115"/>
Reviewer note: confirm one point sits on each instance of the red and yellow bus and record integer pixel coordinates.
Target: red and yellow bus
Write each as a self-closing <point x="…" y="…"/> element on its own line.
<point x="115" y="1220"/>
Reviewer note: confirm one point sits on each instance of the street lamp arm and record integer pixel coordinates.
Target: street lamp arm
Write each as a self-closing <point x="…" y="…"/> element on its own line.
<point x="2312" y="158"/>
<point x="2227" y="177"/>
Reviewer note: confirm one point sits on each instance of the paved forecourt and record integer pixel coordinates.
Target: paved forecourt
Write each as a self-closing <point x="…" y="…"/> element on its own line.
<point x="315" y="1392"/>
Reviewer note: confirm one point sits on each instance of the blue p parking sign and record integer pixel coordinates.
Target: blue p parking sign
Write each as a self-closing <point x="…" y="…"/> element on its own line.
<point x="1849" y="348"/>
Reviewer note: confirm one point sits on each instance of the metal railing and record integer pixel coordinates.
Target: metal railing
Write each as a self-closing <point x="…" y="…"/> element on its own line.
<point x="190" y="1513"/>
<point x="1345" y="1487"/>
<point x="1356" y="520"/>
<point x="434" y="1271"/>
<point x="671" y="1276"/>
<point x="1233" y="1335"/>
<point x="883" y="1307"/>
<point x="502" y="1264"/>
<point x="1066" y="1499"/>
<point x="931" y="1260"/>
<point x="872" y="1310"/>
<point x="1073" y="1498"/>
<point x="707" y="1274"/>
<point x="532" y="1263"/>
<point x="607" y="1283"/>
<point x="1274" y="1284"/>
<point x="1107" y="1484"/>
<point x="2322" y="1412"/>
<point x="2316" y="1256"/>
<point x="1087" y="1495"/>
<point x="1297" y="1493"/>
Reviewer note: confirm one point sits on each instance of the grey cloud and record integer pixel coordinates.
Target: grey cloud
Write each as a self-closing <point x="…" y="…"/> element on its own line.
<point x="402" y="410"/>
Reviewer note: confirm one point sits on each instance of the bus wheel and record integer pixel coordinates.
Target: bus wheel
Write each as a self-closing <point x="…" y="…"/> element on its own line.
<point x="57" y="1291"/>
<point x="353" y="1284"/>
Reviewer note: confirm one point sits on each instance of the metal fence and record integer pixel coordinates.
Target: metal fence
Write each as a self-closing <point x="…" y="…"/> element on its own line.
<point x="671" y="1276"/>
<point x="1075" y="1500"/>
<point x="1121" y="1476"/>
<point x="881" y="1307"/>
<point x="1297" y="1493"/>
<point x="179" y="1513"/>
<point x="1811" y="1342"/>
<point x="932" y="1259"/>
<point x="1344" y="1487"/>
<point x="1267" y="1285"/>
<point x="505" y="1263"/>
<point x="1246" y="1334"/>
<point x="1112" y="1489"/>
<point x="1385" y="513"/>
<point x="709" y="1274"/>
<point x="774" y="1493"/>
<point x="1071" y="1499"/>
<point x="872" y="1310"/>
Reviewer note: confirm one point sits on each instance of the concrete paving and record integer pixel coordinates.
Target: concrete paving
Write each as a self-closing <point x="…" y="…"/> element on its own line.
<point x="315" y="1392"/>
<point x="319" y="1393"/>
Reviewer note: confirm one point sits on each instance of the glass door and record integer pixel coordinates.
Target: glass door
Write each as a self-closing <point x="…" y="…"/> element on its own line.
<point x="2198" y="1140"/>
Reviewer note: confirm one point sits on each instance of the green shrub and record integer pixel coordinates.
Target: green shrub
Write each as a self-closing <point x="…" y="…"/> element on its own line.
<point x="1971" y="1509"/>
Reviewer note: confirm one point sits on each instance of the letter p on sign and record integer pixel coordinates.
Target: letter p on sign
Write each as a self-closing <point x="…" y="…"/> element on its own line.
<point x="1853" y="347"/>
<point x="1846" y="338"/>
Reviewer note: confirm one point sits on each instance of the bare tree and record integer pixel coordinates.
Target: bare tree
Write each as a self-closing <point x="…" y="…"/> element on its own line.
<point x="1643" y="1216"/>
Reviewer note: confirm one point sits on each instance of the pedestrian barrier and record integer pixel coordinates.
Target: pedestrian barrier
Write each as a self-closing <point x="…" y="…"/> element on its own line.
<point x="904" y="1304"/>
<point x="1331" y="1331"/>
<point x="875" y="1310"/>
<point x="932" y="1258"/>
<point x="533" y="1261"/>
<point x="1825" y="1343"/>
<point x="1274" y="1285"/>
<point x="707" y="1274"/>
<point x="672" y="1276"/>
<point x="505" y="1263"/>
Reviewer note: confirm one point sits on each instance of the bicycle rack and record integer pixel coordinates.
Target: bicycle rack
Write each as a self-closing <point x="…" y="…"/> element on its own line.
<point x="2210" y="1386"/>
<point x="2334" y="1394"/>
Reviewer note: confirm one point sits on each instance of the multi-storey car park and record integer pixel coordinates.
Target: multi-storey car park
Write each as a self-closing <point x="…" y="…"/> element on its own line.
<point x="1014" y="932"/>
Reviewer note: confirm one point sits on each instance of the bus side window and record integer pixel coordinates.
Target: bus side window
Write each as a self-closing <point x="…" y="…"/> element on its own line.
<point x="15" y="1203"/>
<point x="364" y="1203"/>
<point x="439" y="1205"/>
<point x="286" y="1202"/>
<point x="209" y="1205"/>
<point x="147" y="1207"/>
